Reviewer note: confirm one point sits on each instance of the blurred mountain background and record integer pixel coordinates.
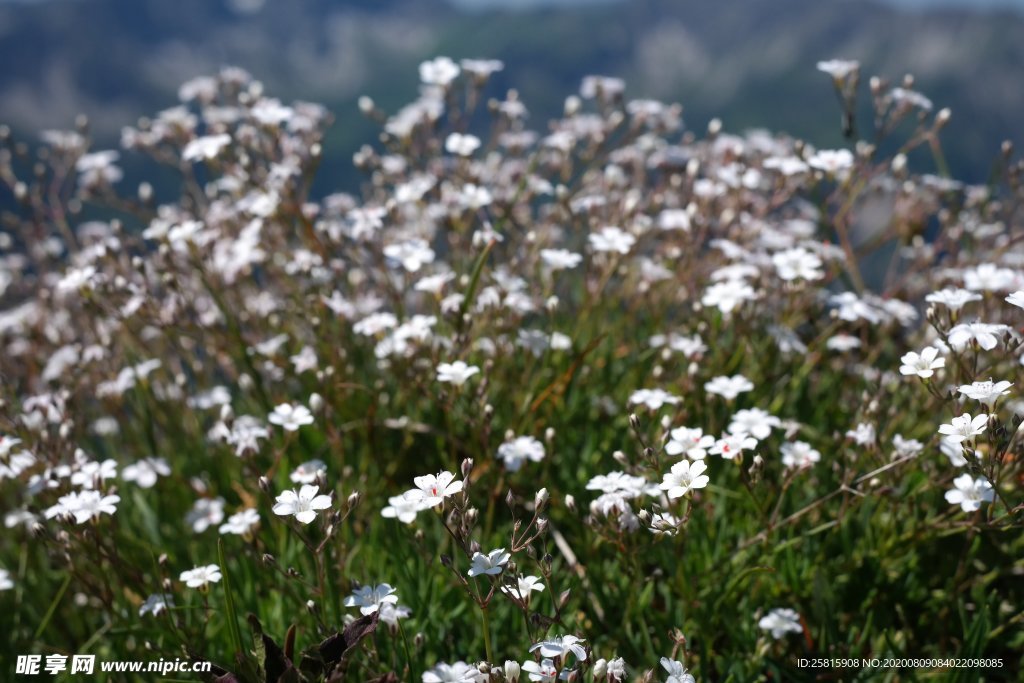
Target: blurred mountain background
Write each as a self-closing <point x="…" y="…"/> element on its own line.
<point x="749" y="62"/>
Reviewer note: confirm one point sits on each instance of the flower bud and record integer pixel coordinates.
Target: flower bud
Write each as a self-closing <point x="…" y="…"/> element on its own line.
<point x="512" y="671"/>
<point x="570" y="502"/>
<point x="600" y="669"/>
<point x="540" y="499"/>
<point x="316" y="403"/>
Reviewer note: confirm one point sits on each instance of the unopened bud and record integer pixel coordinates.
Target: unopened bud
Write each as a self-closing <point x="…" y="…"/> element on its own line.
<point x="600" y="669"/>
<point x="467" y="467"/>
<point x="942" y="118"/>
<point x="570" y="502"/>
<point x="316" y="403"/>
<point x="540" y="499"/>
<point x="512" y="671"/>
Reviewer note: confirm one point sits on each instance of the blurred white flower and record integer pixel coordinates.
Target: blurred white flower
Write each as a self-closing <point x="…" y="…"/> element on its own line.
<point x="799" y="454"/>
<point x="781" y="621"/>
<point x="439" y="71"/>
<point x="290" y="417"/>
<point x="241" y="523"/>
<point x="457" y="373"/>
<point x="729" y="387"/>
<point x="520" y="450"/>
<point x="146" y="471"/>
<point x="969" y="493"/>
<point x="200" y="577"/>
<point x="653" y="398"/>
<point x="156" y="604"/>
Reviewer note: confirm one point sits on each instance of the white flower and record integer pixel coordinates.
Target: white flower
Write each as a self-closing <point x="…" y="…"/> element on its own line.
<point x="674" y="219"/>
<point x="906" y="447"/>
<point x="754" y="421"/>
<point x="90" y="472"/>
<point x="155" y="604"/>
<point x="951" y="298"/>
<point x="459" y="672"/>
<point x="780" y="622"/>
<point x="307" y="472"/>
<point x="146" y="471"/>
<point x="1017" y="299"/>
<point x="302" y="503"/>
<point x="729" y="387"/>
<point x="457" y="373"/>
<point x="922" y="364"/>
<point x="369" y="598"/>
<point x="290" y="417"/>
<point x="664" y="523"/>
<point x="863" y="434"/>
<point x="677" y="673"/>
<point x="201" y="576"/>
<point x="412" y="254"/>
<point x="439" y="71"/>
<point x="727" y="295"/>
<point x="693" y="442"/>
<point x="241" y="523"/>
<point x="612" y="238"/>
<point x="92" y="504"/>
<point x="461" y="144"/>
<point x="653" y="398"/>
<point x="560" y="647"/>
<point x="985" y="392"/>
<point x="520" y="450"/>
<point x="731" y="446"/>
<point x="984" y="334"/>
<point x="964" y="427"/>
<point x="842" y="343"/>
<point x="206" y="147"/>
<point x="390" y="613"/>
<point x="953" y="449"/>
<point x="205" y="513"/>
<point x="403" y="509"/>
<point x="5" y="580"/>
<point x="988" y="277"/>
<point x="799" y="454"/>
<point x="524" y="586"/>
<point x="831" y="161"/>
<point x="305" y="360"/>
<point x="491" y="563"/>
<point x="544" y="672"/>
<point x="560" y="259"/>
<point x="839" y="69"/>
<point x="431" y="490"/>
<point x="797" y="264"/>
<point x="970" y="493"/>
<point x="475" y="197"/>
<point x="684" y="477"/>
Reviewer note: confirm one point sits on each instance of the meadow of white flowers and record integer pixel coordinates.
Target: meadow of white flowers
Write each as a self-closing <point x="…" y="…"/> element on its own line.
<point x="597" y="399"/>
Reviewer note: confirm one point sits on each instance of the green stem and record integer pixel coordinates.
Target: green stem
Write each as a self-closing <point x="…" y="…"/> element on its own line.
<point x="487" y="635"/>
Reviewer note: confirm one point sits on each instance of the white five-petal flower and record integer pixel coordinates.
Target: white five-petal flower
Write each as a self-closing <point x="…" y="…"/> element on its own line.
<point x="303" y="504"/>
